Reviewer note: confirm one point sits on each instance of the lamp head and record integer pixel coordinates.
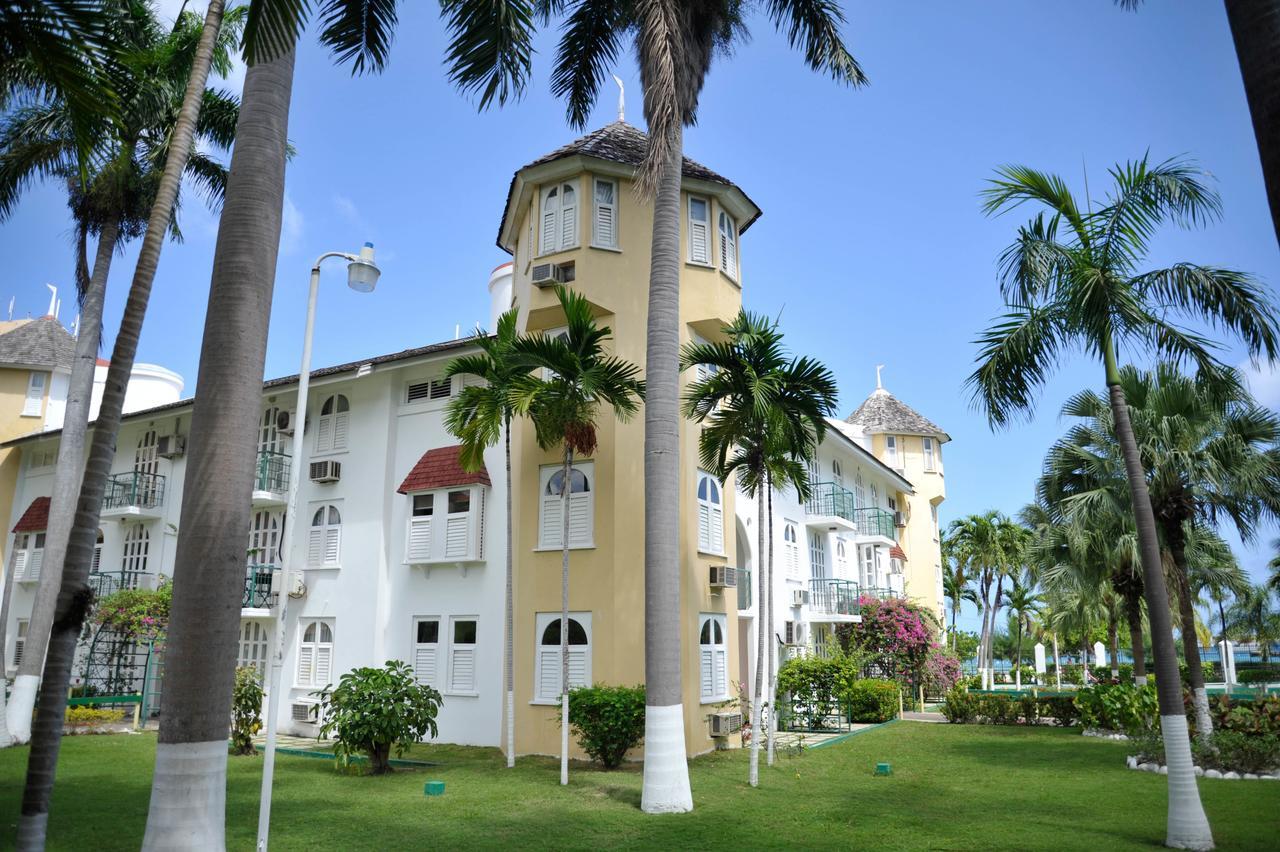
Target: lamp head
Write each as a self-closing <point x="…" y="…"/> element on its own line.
<point x="362" y="272"/>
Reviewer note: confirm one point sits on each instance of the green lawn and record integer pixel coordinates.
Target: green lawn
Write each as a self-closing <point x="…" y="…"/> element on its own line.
<point x="952" y="787"/>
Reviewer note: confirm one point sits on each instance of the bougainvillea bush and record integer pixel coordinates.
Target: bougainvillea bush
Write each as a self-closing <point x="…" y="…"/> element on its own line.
<point x="140" y="614"/>
<point x="896" y="635"/>
<point x="941" y="671"/>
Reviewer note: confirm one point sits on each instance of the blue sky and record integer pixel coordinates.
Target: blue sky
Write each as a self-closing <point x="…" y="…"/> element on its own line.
<point x="872" y="246"/>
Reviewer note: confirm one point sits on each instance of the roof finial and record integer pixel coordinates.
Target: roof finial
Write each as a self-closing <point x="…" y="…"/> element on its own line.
<point x="622" y="98"/>
<point x="53" y="299"/>
<point x="879" y="384"/>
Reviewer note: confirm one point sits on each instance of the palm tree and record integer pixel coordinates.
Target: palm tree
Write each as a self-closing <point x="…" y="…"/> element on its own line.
<point x="1254" y="616"/>
<point x="675" y="44"/>
<point x="37" y="140"/>
<point x="763" y="416"/>
<point x="564" y="408"/>
<point x="1274" y="565"/>
<point x="479" y="416"/>
<point x="1072" y="281"/>
<point x="958" y="588"/>
<point x="1024" y="604"/>
<point x="974" y="546"/>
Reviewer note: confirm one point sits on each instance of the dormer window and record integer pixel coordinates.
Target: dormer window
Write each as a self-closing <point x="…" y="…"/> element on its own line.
<point x="559" y="218"/>
<point x="443" y="527"/>
<point x="728" y="245"/>
<point x="699" y="231"/>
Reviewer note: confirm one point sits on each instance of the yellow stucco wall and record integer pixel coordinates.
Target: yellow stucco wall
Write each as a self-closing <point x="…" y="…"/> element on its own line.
<point x="608" y="579"/>
<point x="918" y="539"/>
<point x="13" y="396"/>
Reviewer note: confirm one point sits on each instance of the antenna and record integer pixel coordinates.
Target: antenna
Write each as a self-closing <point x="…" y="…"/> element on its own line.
<point x="11" y="299"/>
<point x="53" y="299"/>
<point x="622" y="98"/>
<point x="879" y="384"/>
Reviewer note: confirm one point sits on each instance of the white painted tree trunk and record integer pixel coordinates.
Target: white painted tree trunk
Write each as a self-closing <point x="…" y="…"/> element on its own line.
<point x="191" y="815"/>
<point x="770" y="636"/>
<point x="566" y="479"/>
<point x="762" y="653"/>
<point x="6" y="739"/>
<point x="508" y="663"/>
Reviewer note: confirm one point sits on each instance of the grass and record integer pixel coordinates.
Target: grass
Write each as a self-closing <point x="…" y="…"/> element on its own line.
<point x="953" y="787"/>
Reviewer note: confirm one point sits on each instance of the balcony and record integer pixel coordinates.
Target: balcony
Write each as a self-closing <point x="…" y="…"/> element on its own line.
<point x="830" y="506"/>
<point x="106" y="583"/>
<point x="744" y="588"/>
<point x="271" y="479"/>
<point x="834" y="601"/>
<point x="259" y="582"/>
<point x="872" y="523"/>
<point x="134" y="495"/>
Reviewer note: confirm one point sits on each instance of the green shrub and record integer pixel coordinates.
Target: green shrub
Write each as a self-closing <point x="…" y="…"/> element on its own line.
<point x="1062" y="708"/>
<point x="998" y="709"/>
<point x="1149" y="746"/>
<point x="1232" y="751"/>
<point x="958" y="706"/>
<point x="246" y="709"/>
<point x="970" y="682"/>
<point x="816" y="685"/>
<point x="1258" y="717"/>
<point x="80" y="720"/>
<point x="872" y="700"/>
<point x="1260" y="675"/>
<point x="375" y="711"/>
<point x="607" y="720"/>
<point x="1118" y="707"/>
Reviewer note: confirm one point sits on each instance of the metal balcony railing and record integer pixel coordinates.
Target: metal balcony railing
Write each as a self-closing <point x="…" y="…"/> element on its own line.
<point x="272" y="472"/>
<point x="105" y="583"/>
<point x="744" y="588"/>
<point x="875" y="522"/>
<point x="134" y="489"/>
<point x="257" y="587"/>
<point x="829" y="499"/>
<point x="833" y="597"/>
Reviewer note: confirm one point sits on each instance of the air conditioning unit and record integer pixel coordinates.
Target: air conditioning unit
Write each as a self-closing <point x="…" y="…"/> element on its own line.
<point x="302" y="711"/>
<point x="724" y="724"/>
<point x="286" y="422"/>
<point x="899" y="519"/>
<point x="171" y="446"/>
<point x="799" y="597"/>
<point x="551" y="274"/>
<point x="326" y="471"/>
<point x="723" y="577"/>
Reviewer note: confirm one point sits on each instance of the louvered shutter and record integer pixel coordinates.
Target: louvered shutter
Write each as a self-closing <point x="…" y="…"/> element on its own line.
<point x="463" y="677"/>
<point x="455" y="541"/>
<point x="580" y="521"/>
<point x="34" y="564"/>
<point x="19" y="567"/>
<point x="306" y="664"/>
<point x="720" y="676"/>
<point x="324" y="662"/>
<point x="315" y="546"/>
<point x="552" y="523"/>
<point x="605" y="215"/>
<point x="708" y="674"/>
<point x="424" y="664"/>
<point x="341" y="423"/>
<point x="548" y="229"/>
<point x="577" y="667"/>
<point x="324" y="434"/>
<point x="419" y="538"/>
<point x="332" y="541"/>
<point x="698" y="242"/>
<point x="568" y="217"/>
<point x="548" y="672"/>
<point x="717" y="529"/>
<point x="19" y="646"/>
<point x="730" y="248"/>
<point x="704" y="527"/>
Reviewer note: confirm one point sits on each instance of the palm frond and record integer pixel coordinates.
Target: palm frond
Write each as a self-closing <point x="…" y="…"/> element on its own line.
<point x="590" y="41"/>
<point x="1225" y="298"/>
<point x="1014" y="361"/>
<point x="359" y="32"/>
<point x="490" y="47"/>
<point x="272" y="28"/>
<point x="815" y="26"/>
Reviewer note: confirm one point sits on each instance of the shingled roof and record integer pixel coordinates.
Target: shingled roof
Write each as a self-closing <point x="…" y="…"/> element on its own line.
<point x="441" y="468"/>
<point x="41" y="342"/>
<point x="883" y="412"/>
<point x="36" y="518"/>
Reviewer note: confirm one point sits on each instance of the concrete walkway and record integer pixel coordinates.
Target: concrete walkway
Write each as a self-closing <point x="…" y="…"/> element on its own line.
<point x="923" y="717"/>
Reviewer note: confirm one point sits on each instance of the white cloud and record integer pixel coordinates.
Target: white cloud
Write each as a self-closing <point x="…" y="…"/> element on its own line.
<point x="290" y="227"/>
<point x="1264" y="383"/>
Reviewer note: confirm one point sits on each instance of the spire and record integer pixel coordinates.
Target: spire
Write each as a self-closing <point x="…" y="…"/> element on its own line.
<point x="879" y="383"/>
<point x="622" y="96"/>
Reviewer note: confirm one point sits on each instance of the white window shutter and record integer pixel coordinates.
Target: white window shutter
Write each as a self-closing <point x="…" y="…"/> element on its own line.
<point x="552" y="525"/>
<point x="707" y="673"/>
<point x="341" y="423"/>
<point x="580" y="519"/>
<point x="698" y="242"/>
<point x="577" y="667"/>
<point x="324" y="662"/>
<point x="324" y="434"/>
<point x="35" y="394"/>
<point x="306" y="664"/>
<point x="19" y="567"/>
<point x="424" y="664"/>
<point x="455" y="541"/>
<point x="548" y="672"/>
<point x="332" y="540"/>
<point x="34" y="564"/>
<point x="604" y="235"/>
<point x="568" y="219"/>
<point x="419" y="538"/>
<point x="720" y="676"/>
<point x="315" y="546"/>
<point x="549" y="231"/>
<point x="704" y="526"/>
<point x="463" y="677"/>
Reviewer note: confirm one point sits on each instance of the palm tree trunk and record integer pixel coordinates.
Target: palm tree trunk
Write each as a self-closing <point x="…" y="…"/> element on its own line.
<point x="75" y="597"/>
<point x="1187" y="826"/>
<point x="982" y="637"/>
<point x="1057" y="664"/>
<point x="666" y="769"/>
<point x="1175" y="539"/>
<point x="565" y="490"/>
<point x="66" y="488"/>
<point x="1133" y="614"/>
<point x="188" y="790"/>
<point x="762" y="653"/>
<point x="1255" y="28"/>
<point x="1017" y="663"/>
<point x="955" y="611"/>
<point x="1084" y="657"/>
<point x="770" y="640"/>
<point x="6" y="739"/>
<point x="1113" y="644"/>
<point x="991" y="633"/>
<point x="508" y="664"/>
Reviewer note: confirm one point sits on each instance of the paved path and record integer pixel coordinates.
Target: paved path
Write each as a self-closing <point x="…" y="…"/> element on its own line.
<point x="923" y="717"/>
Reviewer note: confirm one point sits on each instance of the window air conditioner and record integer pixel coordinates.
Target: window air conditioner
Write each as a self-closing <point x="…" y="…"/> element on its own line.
<point x="171" y="446"/>
<point x="551" y="274"/>
<point x="723" y="577"/>
<point x="899" y="519"/>
<point x="799" y="597"/>
<point x="326" y="471"/>
<point x="302" y="711"/>
<point x="724" y="724"/>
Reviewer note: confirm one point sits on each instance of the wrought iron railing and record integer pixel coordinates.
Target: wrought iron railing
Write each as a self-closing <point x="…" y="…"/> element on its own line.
<point x="881" y="593"/>
<point x="875" y="522"/>
<point x="272" y="472"/>
<point x="827" y="498"/>
<point x="744" y="588"/>
<point x="257" y="587"/>
<point x="833" y="597"/>
<point x="105" y="583"/>
<point x="134" y="489"/>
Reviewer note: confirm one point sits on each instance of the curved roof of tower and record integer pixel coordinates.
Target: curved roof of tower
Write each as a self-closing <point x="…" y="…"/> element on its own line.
<point x="619" y="142"/>
<point x="884" y="412"/>
<point x="39" y="342"/>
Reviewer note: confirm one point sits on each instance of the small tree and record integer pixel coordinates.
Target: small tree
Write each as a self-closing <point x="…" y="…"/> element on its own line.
<point x="607" y="720"/>
<point x="373" y="711"/>
<point x="246" y="709"/>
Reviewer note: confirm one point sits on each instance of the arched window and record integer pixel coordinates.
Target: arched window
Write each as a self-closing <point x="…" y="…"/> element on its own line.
<point x="713" y="656"/>
<point x="335" y="418"/>
<point x="791" y="548"/>
<point x="559" y="218"/>
<point x="875" y="496"/>
<point x="325" y="540"/>
<point x="728" y="245"/>
<point x="146" y="465"/>
<point x="253" y="646"/>
<point x="710" y="515"/>
<point x="842" y="559"/>
<point x="264" y="539"/>
<point x="837" y="472"/>
<point x="581" y="506"/>
<point x="137" y="547"/>
<point x="315" y="653"/>
<point x="859" y="492"/>
<point x="549" y="674"/>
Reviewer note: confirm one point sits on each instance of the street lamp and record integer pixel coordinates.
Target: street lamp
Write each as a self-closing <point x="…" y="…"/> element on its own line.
<point x="362" y="276"/>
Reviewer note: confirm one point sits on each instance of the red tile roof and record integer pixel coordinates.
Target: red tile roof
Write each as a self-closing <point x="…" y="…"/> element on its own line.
<point x="36" y="518"/>
<point x="897" y="552"/>
<point x="440" y="468"/>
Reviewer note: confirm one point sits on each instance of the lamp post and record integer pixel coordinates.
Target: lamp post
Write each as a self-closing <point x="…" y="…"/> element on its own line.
<point x="362" y="276"/>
